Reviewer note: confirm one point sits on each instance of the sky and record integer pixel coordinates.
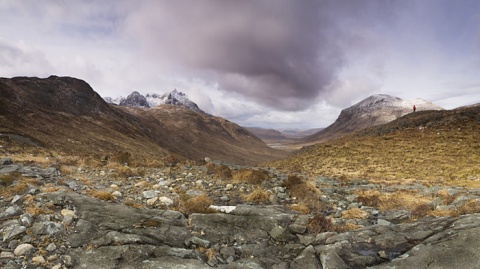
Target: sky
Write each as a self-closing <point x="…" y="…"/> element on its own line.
<point x="269" y="63"/>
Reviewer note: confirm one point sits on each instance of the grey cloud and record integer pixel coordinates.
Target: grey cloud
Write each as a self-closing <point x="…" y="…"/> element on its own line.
<point x="278" y="53"/>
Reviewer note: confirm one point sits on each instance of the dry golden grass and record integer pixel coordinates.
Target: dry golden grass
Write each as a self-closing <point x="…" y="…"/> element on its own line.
<point x="198" y="204"/>
<point x="369" y="197"/>
<point x="354" y="213"/>
<point x="347" y="227"/>
<point x="13" y="184"/>
<point x="444" y="213"/>
<point x="210" y="254"/>
<point x="301" y="208"/>
<point x="42" y="158"/>
<point x="258" y="196"/>
<point x="101" y="195"/>
<point x="250" y="176"/>
<point x="446" y="197"/>
<point x="304" y="192"/>
<point x="472" y="206"/>
<point x="403" y="200"/>
<point x="445" y="155"/>
<point x="36" y="211"/>
<point x="132" y="203"/>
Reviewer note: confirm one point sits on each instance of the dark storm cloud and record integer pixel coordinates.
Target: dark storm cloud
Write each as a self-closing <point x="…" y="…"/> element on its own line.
<point x="279" y="53"/>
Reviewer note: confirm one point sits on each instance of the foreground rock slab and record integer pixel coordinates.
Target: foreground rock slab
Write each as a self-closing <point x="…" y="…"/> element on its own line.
<point x="84" y="232"/>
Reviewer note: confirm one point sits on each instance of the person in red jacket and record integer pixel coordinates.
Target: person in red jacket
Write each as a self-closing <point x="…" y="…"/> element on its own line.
<point x="414" y="108"/>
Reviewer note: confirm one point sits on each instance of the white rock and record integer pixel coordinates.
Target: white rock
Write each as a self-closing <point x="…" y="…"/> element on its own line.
<point x="6" y="255"/>
<point x="51" y="247"/>
<point x="114" y="186"/>
<point x="166" y="201"/>
<point x="152" y="201"/>
<point x="149" y="194"/>
<point x="117" y="194"/>
<point x="229" y="187"/>
<point x="224" y="209"/>
<point x="68" y="212"/>
<point x="38" y="259"/>
<point x="23" y="249"/>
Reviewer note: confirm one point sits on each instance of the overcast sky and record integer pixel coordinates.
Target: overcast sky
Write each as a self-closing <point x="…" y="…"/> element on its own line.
<point x="279" y="64"/>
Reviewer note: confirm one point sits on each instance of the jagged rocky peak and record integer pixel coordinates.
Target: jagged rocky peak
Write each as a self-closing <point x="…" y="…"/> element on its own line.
<point x="175" y="98"/>
<point x="135" y="99"/>
<point x="150" y="100"/>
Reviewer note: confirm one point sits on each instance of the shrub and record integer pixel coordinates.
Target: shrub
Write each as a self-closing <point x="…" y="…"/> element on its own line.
<point x="258" y="196"/>
<point x="302" y="208"/>
<point x="472" y="206"/>
<point x="101" y="195"/>
<point x="250" y="176"/>
<point x="354" y="213"/>
<point x="346" y="227"/>
<point x="305" y="192"/>
<point x="219" y="171"/>
<point x="122" y="157"/>
<point x="171" y="161"/>
<point x="369" y="198"/>
<point x="198" y="204"/>
<point x="319" y="224"/>
<point x="7" y="180"/>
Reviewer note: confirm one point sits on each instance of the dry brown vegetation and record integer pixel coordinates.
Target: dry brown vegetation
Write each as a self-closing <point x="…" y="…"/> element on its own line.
<point x="198" y="204"/>
<point x="319" y="224"/>
<point x="304" y="192"/>
<point x="101" y="195"/>
<point x="218" y="171"/>
<point x="354" y="213"/>
<point x="258" y="196"/>
<point x="250" y="176"/>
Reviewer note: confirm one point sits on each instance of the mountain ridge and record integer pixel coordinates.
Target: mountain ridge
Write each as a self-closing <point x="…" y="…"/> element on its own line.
<point x="374" y="110"/>
<point x="66" y="114"/>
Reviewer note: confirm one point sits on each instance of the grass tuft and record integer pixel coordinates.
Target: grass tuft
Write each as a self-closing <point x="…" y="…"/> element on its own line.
<point x="258" y="196"/>
<point x="319" y="224"/>
<point x="250" y="176"/>
<point x="198" y="204"/>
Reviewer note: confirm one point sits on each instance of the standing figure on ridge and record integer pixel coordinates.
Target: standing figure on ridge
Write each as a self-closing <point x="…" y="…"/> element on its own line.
<point x="414" y="108"/>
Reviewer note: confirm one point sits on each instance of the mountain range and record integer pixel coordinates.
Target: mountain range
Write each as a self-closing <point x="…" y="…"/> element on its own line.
<point x="135" y="99"/>
<point x="66" y="114"/>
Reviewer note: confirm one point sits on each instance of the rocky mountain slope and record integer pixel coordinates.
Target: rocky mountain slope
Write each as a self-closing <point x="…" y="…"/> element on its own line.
<point x="66" y="114"/>
<point x="374" y="110"/>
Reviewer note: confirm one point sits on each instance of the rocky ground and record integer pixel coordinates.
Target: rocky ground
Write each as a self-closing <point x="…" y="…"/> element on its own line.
<point x="80" y="217"/>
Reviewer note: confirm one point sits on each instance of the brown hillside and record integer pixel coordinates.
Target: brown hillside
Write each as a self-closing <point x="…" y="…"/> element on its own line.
<point x="430" y="146"/>
<point x="66" y="114"/>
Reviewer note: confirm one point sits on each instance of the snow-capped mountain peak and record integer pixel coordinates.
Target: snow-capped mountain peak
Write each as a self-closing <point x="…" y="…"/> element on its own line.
<point x="174" y="97"/>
